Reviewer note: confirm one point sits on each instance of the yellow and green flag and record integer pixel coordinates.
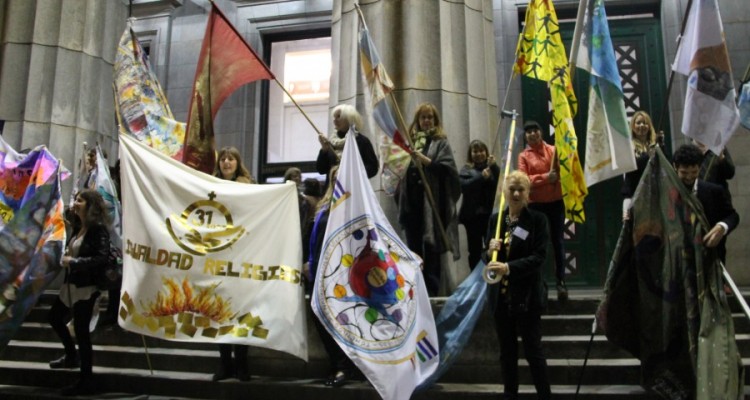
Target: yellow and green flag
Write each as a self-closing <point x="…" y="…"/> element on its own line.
<point x="541" y="55"/>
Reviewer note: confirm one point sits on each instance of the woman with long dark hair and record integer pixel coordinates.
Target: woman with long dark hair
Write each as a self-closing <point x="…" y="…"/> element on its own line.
<point x="86" y="253"/>
<point x="478" y="185"/>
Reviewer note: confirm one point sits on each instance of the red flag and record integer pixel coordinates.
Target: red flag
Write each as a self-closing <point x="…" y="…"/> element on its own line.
<point x="226" y="63"/>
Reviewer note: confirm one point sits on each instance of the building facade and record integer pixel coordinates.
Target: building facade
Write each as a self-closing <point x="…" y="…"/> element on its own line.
<point x="55" y="81"/>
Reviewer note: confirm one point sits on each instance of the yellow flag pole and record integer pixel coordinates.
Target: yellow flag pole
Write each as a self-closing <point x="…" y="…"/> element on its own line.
<point x="491" y="276"/>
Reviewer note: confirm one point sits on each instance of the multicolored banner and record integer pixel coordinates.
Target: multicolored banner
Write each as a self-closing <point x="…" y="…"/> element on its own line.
<point x="141" y="106"/>
<point x="609" y="148"/>
<point x="711" y="115"/>
<point x="226" y="62"/>
<point x="541" y="55"/>
<point x="369" y="292"/>
<point x="209" y="260"/>
<point x="664" y="295"/>
<point x="32" y="232"/>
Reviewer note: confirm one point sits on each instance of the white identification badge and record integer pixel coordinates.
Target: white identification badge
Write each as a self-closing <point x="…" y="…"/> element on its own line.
<point x="521" y="233"/>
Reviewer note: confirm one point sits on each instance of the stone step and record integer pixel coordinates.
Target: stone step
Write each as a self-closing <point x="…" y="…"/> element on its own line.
<point x="184" y="370"/>
<point x="36" y="382"/>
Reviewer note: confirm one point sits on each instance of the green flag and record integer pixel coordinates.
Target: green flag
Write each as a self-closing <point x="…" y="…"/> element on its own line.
<point x="664" y="299"/>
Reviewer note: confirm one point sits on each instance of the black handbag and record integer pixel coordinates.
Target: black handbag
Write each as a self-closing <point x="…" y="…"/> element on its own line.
<point x="110" y="276"/>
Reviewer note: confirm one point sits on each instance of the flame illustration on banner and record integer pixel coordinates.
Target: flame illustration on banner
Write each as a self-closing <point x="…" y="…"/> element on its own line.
<point x="184" y="297"/>
<point x="199" y="311"/>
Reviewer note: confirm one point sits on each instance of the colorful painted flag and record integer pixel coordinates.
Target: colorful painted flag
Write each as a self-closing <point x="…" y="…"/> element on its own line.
<point x="106" y="187"/>
<point x="22" y="174"/>
<point x="209" y="260"/>
<point x="369" y="292"/>
<point x="711" y="115"/>
<point x="541" y="55"/>
<point x="664" y="295"/>
<point x="609" y="149"/>
<point x="140" y="103"/>
<point x="226" y="62"/>
<point x="31" y="241"/>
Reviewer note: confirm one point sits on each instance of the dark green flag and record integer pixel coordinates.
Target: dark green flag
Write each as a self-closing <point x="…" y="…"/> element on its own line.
<point x="664" y="299"/>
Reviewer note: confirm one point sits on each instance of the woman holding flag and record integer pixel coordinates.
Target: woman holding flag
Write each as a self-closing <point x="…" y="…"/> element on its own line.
<point x="342" y="368"/>
<point x="434" y="155"/>
<point x="230" y="167"/>
<point x="519" y="301"/>
<point x="345" y="118"/>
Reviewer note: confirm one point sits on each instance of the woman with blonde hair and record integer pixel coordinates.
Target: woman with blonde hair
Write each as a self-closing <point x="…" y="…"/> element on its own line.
<point x="423" y="235"/>
<point x="345" y="118"/>
<point x="519" y="301"/>
<point x="644" y="140"/>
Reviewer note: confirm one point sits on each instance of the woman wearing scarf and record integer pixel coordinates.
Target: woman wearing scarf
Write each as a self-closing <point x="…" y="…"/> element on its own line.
<point x="423" y="236"/>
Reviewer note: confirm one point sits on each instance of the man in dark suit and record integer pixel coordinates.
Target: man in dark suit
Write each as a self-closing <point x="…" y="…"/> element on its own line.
<point x="717" y="204"/>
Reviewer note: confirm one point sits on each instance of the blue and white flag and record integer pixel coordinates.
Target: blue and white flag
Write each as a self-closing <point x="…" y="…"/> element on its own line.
<point x="744" y="105"/>
<point x="457" y="320"/>
<point x="609" y="148"/>
<point x="369" y="292"/>
<point x="106" y="187"/>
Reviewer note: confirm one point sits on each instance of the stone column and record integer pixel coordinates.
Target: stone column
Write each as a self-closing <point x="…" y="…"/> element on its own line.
<point x="56" y="75"/>
<point x="435" y="51"/>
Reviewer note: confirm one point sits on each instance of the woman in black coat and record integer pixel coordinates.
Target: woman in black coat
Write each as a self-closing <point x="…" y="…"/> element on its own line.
<point x="478" y="185"/>
<point x="86" y="254"/>
<point x="521" y="295"/>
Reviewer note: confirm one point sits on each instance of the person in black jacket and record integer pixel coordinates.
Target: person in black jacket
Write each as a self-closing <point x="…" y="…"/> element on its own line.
<point x="717" y="204"/>
<point x="85" y="256"/>
<point x="520" y="298"/>
<point x="344" y="118"/>
<point x="478" y="185"/>
<point x="341" y="366"/>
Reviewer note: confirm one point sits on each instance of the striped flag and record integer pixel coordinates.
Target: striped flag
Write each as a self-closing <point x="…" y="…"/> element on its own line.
<point x="369" y="292"/>
<point x="711" y="115"/>
<point x="541" y="55"/>
<point x="396" y="152"/>
<point x="379" y="85"/>
<point x="609" y="149"/>
<point x="226" y="62"/>
<point x="106" y="187"/>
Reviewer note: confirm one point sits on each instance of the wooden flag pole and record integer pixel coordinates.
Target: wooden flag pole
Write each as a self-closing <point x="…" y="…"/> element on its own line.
<point x="420" y="168"/>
